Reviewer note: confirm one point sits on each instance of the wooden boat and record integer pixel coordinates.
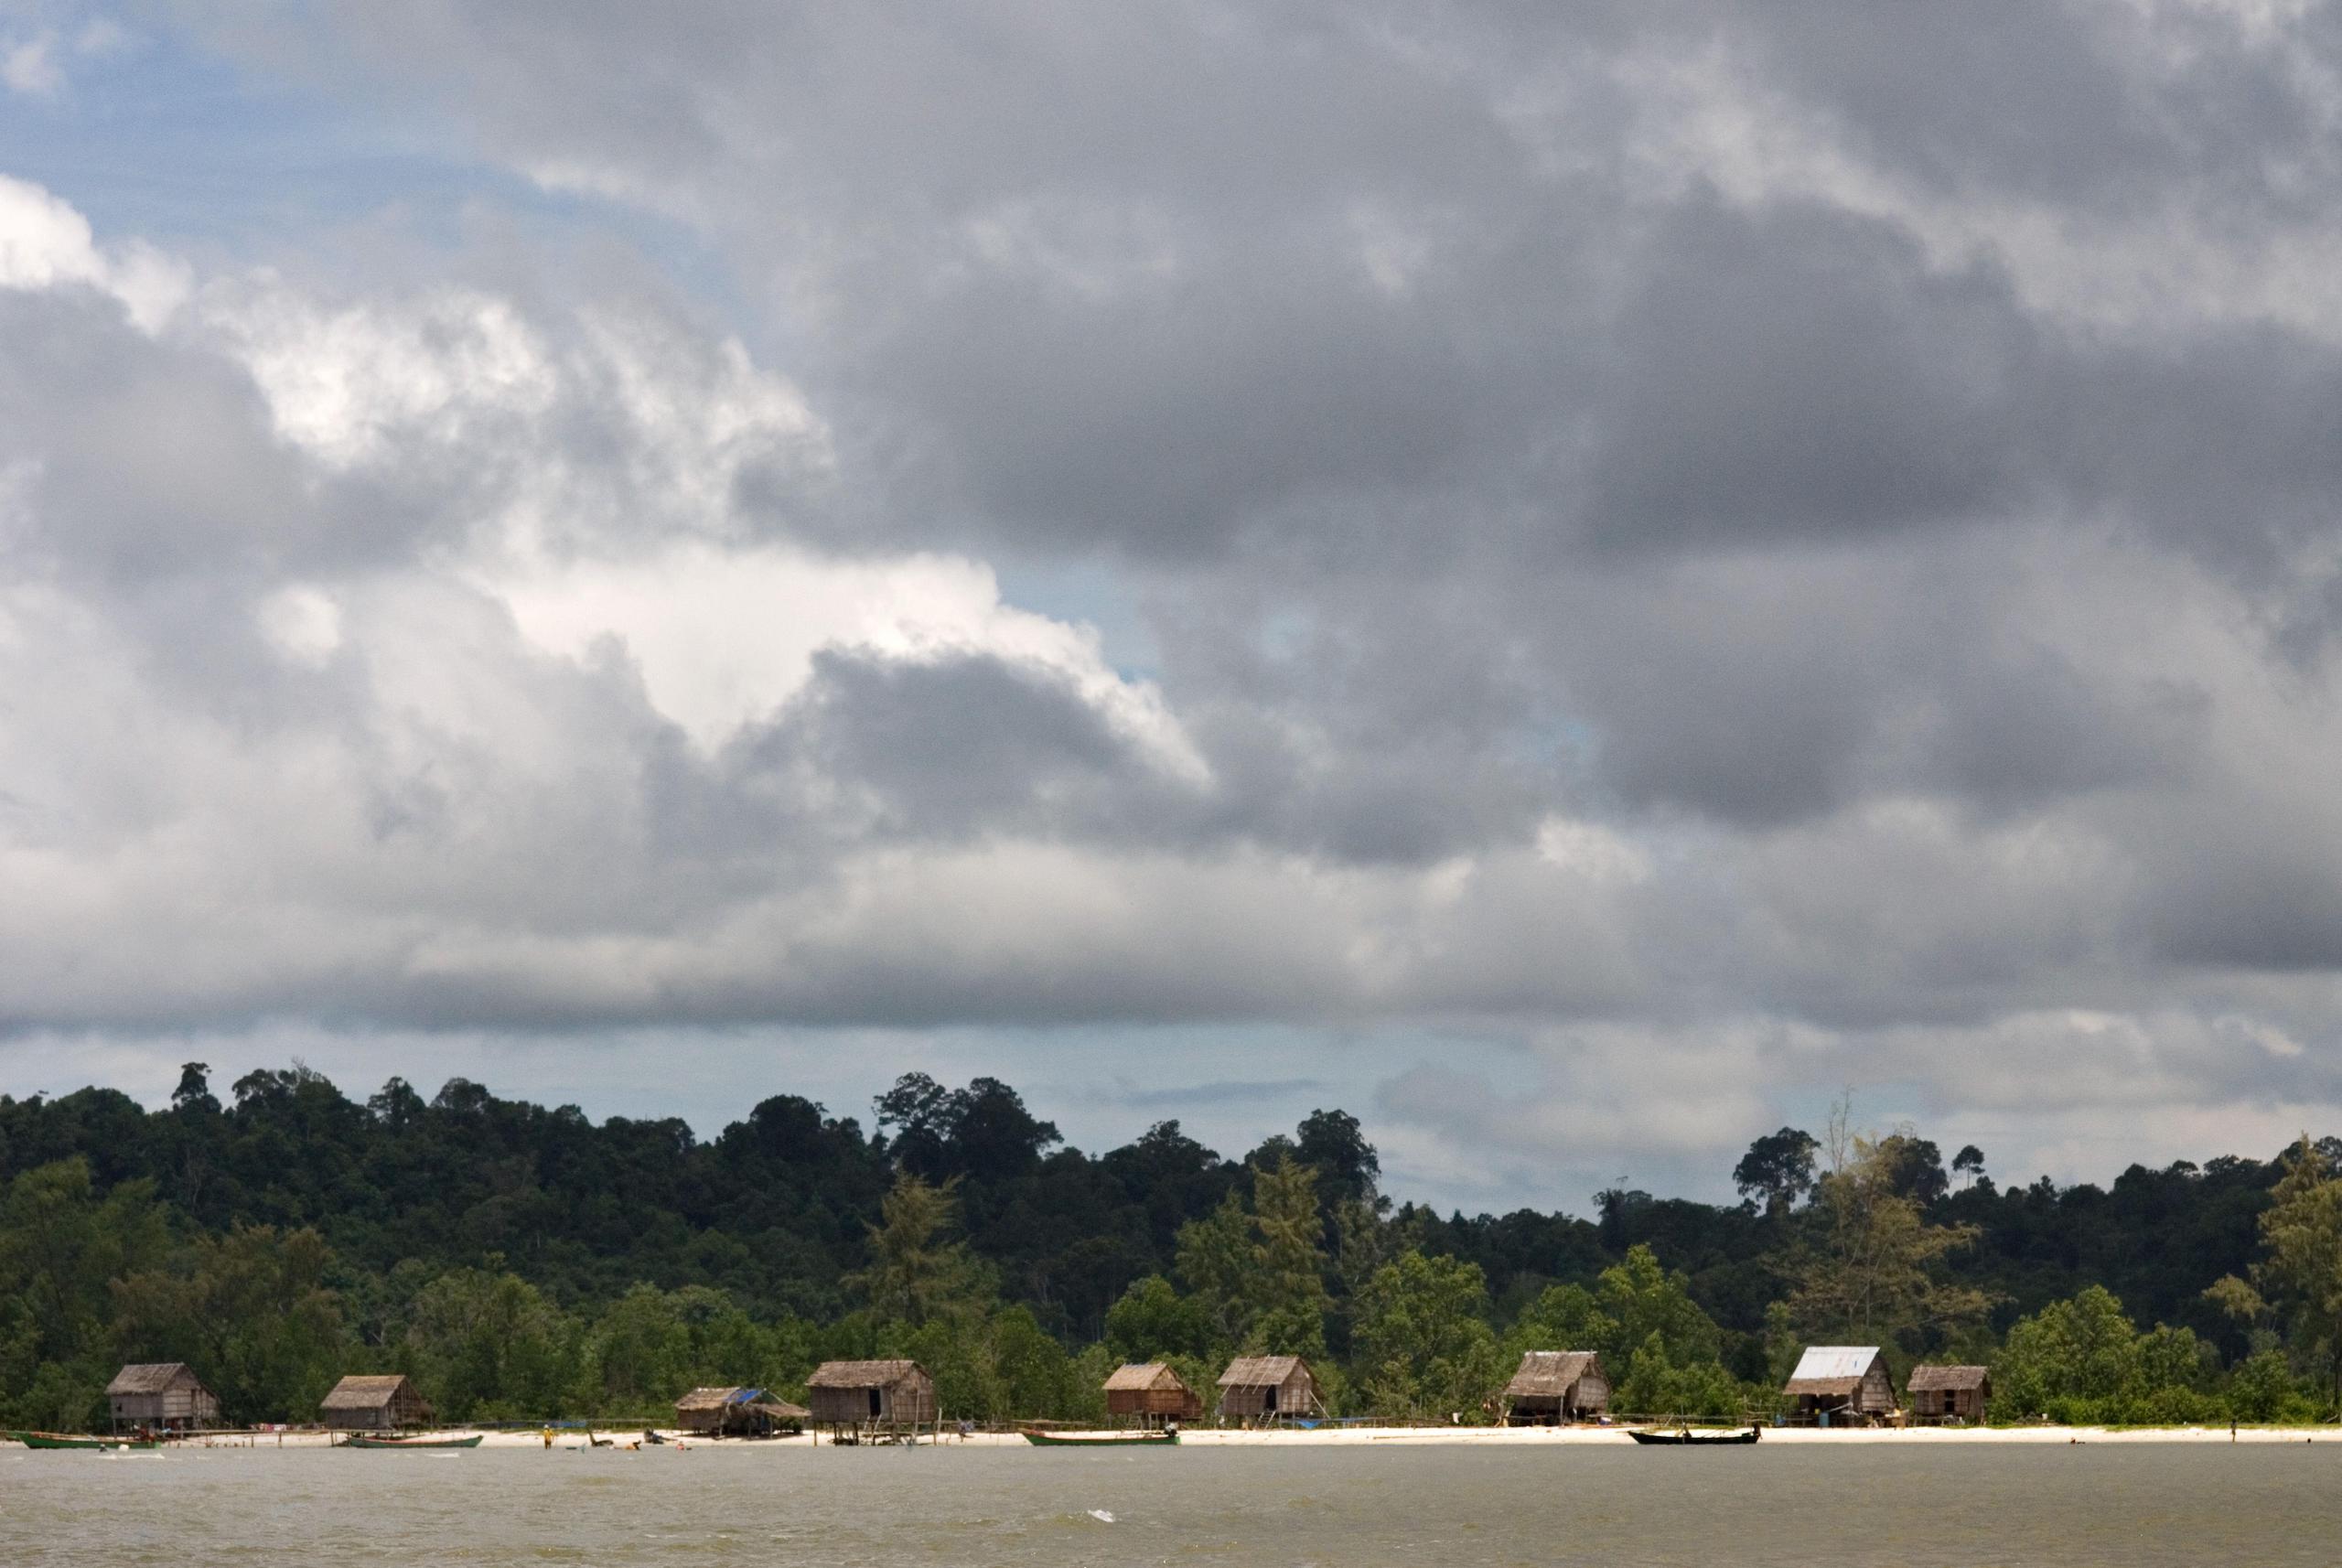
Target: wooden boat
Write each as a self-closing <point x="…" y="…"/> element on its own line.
<point x="82" y="1439"/>
<point x="1685" y="1436"/>
<point x="1099" y="1439"/>
<point x="361" y="1440"/>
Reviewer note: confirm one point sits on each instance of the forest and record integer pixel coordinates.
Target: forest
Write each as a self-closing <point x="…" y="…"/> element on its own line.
<point x="524" y="1264"/>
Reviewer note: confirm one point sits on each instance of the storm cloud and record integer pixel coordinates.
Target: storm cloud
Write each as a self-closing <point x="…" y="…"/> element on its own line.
<point x="1661" y="557"/>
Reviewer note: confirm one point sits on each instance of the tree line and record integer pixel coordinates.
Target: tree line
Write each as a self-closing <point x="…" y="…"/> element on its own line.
<point x="523" y="1263"/>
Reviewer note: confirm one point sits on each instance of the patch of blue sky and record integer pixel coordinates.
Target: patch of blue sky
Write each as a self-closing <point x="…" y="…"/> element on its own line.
<point x="154" y="138"/>
<point x="1091" y="593"/>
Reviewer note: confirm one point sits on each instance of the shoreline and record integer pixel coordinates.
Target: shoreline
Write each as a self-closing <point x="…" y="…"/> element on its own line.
<point x="1334" y="1437"/>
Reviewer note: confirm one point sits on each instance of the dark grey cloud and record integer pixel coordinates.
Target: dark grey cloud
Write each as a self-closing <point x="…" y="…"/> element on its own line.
<point x="1705" y="546"/>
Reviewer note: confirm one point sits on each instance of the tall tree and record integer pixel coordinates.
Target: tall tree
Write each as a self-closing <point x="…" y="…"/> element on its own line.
<point x="1289" y="1267"/>
<point x="1872" y="1267"/>
<point x="1421" y="1343"/>
<point x="1777" y="1170"/>
<point x="914" y="1274"/>
<point x="2300" y="1275"/>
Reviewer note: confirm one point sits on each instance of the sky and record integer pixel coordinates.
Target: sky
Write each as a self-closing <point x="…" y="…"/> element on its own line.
<point x="1576" y="581"/>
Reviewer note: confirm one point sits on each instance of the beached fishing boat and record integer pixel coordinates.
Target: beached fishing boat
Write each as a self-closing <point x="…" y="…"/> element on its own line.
<point x="1099" y="1439"/>
<point x="80" y="1440"/>
<point x="361" y="1440"/>
<point x="1682" y="1436"/>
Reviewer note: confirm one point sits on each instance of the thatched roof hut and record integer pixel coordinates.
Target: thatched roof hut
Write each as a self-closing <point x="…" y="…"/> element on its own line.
<point x="1841" y="1382"/>
<point x="1268" y="1388"/>
<point x="1556" y="1386"/>
<point x="737" y="1412"/>
<point x="1153" y="1391"/>
<point x="367" y="1402"/>
<point x="160" y="1394"/>
<point x="872" y="1393"/>
<point x="1949" y="1393"/>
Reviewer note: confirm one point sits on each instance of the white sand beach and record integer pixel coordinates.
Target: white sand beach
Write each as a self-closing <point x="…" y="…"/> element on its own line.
<point x="1355" y="1436"/>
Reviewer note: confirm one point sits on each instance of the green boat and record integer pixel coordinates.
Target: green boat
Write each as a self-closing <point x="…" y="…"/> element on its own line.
<point x="359" y="1439"/>
<point x="1099" y="1439"/>
<point x="81" y="1440"/>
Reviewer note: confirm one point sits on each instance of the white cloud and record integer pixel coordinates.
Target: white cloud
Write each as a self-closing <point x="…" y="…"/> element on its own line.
<point x="46" y="243"/>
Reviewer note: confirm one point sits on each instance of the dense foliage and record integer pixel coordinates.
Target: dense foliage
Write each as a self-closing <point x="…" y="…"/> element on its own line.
<point x="522" y="1262"/>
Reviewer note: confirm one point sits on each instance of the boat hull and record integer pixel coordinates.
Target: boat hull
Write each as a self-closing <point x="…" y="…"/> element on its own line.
<point x="1101" y="1440"/>
<point x="357" y="1440"/>
<point x="1684" y="1439"/>
<point x="74" y="1440"/>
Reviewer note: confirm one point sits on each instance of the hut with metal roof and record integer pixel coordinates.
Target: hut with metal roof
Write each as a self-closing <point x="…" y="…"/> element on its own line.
<point x="368" y="1402"/>
<point x="1153" y="1392"/>
<point x="1949" y="1393"/>
<point x="1553" y="1388"/>
<point x="737" y="1412"/>
<point x="161" y="1395"/>
<point x="1268" y="1388"/>
<point x="872" y="1397"/>
<point x="1839" y="1384"/>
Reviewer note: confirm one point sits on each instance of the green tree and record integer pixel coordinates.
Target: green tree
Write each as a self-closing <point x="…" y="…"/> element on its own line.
<point x="1562" y="1318"/>
<point x="1658" y="1382"/>
<point x="1152" y="1321"/>
<point x="914" y="1274"/>
<point x="61" y="1244"/>
<point x="1873" y="1268"/>
<point x="252" y="1310"/>
<point x="1421" y="1343"/>
<point x="2300" y="1276"/>
<point x="490" y="1346"/>
<point x="2263" y="1388"/>
<point x="1289" y="1263"/>
<point x="1777" y="1169"/>
<point x="1259" y="1273"/>
<point x="1215" y="1257"/>
<point x="643" y="1351"/>
<point x="2083" y="1360"/>
<point x="1639" y="1298"/>
<point x="1632" y="1300"/>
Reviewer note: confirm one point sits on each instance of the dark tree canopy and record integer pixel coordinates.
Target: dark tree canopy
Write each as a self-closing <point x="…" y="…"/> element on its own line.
<point x="1915" y="1166"/>
<point x="1347" y="1164"/>
<point x="401" y="1217"/>
<point x="1777" y="1170"/>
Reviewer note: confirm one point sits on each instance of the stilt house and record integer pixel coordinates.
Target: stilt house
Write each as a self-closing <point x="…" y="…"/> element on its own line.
<point x="889" y="1396"/>
<point x="1949" y="1393"/>
<point x="368" y="1403"/>
<point x="1553" y="1388"/>
<point x="1268" y="1388"/>
<point x="1839" y="1385"/>
<point x="1153" y="1392"/>
<point x="159" y="1395"/>
<point x="737" y="1412"/>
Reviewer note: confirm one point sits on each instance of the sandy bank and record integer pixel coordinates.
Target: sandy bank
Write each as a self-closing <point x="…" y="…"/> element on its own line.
<point x="1379" y="1436"/>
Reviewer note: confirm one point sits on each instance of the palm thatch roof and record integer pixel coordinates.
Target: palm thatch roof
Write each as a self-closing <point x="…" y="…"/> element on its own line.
<point x="1139" y="1376"/>
<point x="1549" y="1374"/>
<point x="713" y="1399"/>
<point x="1261" y="1371"/>
<point x="745" y="1398"/>
<point x="151" y="1377"/>
<point x="1928" y="1379"/>
<point x="862" y="1374"/>
<point x="363" y="1391"/>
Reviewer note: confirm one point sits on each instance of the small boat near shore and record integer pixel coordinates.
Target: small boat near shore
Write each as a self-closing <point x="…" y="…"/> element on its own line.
<point x="1685" y="1436"/>
<point x="82" y="1439"/>
<point x="361" y="1440"/>
<point x="1040" y="1439"/>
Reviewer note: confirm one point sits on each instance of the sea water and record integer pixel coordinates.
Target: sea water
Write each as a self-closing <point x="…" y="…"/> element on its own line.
<point x="2131" y="1504"/>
